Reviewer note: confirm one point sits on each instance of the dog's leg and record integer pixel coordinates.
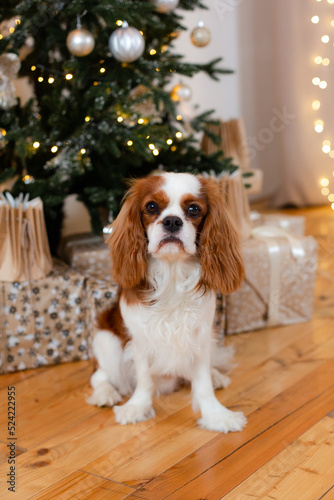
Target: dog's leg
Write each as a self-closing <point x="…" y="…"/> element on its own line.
<point x="109" y="381"/>
<point x="139" y="406"/>
<point x="215" y="416"/>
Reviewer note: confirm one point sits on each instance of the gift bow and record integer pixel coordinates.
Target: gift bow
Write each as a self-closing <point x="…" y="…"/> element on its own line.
<point x="268" y="235"/>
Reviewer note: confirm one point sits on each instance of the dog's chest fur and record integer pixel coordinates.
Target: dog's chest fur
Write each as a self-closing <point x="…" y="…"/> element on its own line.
<point x="169" y="329"/>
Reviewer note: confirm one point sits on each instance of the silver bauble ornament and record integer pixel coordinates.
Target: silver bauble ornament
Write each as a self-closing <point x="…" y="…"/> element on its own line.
<point x="200" y="36"/>
<point x="181" y="92"/>
<point x="126" y="43"/>
<point x="164" y="6"/>
<point x="80" y="42"/>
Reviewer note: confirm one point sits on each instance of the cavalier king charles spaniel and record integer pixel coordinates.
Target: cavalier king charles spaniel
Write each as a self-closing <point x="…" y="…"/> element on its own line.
<point x="173" y="246"/>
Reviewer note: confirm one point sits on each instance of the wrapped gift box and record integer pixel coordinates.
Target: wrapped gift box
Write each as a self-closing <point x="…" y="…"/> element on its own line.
<point x="279" y="286"/>
<point x="87" y="253"/>
<point x="43" y="322"/>
<point x="101" y="294"/>
<point x="294" y="224"/>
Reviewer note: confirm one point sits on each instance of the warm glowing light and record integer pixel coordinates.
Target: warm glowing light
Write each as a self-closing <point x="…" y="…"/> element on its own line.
<point x="326" y="143"/>
<point x="326" y="149"/>
<point x="36" y="145"/>
<point x="325" y="191"/>
<point x="40" y="79"/>
<point x="325" y="61"/>
<point x="54" y="149"/>
<point x="11" y="30"/>
<point x="319" y="128"/>
<point x="179" y="117"/>
<point x="51" y="79"/>
<point x="157" y="69"/>
<point x="169" y="141"/>
<point x="33" y="68"/>
<point x="1" y="36"/>
<point x="315" y="19"/>
<point x="153" y="52"/>
<point x="155" y="152"/>
<point x="87" y="118"/>
<point x="316" y="81"/>
<point x="318" y="60"/>
<point x="82" y="151"/>
<point x="325" y="39"/>
<point x="129" y="143"/>
<point x="178" y="135"/>
<point x="316" y="105"/>
<point x="119" y="22"/>
<point x="331" y="154"/>
<point x="102" y="70"/>
<point x="330" y="1"/>
<point x="173" y="148"/>
<point x="141" y="121"/>
<point x="69" y="76"/>
<point x="3" y="131"/>
<point x="95" y="83"/>
<point x="17" y="21"/>
<point x="28" y="179"/>
<point x="331" y="197"/>
<point x="324" y="182"/>
<point x="120" y="119"/>
<point x="151" y="146"/>
<point x="141" y="32"/>
<point x="332" y="23"/>
<point x="323" y="84"/>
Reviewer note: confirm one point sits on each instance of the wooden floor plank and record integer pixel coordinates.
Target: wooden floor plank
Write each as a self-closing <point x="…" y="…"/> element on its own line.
<point x="304" y="469"/>
<point x="191" y="470"/>
<point x="86" y="487"/>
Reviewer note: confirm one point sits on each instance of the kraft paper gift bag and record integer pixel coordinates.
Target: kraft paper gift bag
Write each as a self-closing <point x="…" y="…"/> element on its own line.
<point x="24" y="247"/>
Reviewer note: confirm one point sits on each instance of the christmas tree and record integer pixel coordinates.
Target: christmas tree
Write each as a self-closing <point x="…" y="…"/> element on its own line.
<point x="103" y="109"/>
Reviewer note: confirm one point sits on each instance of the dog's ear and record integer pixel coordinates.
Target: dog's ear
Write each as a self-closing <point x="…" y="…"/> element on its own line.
<point x="127" y="242"/>
<point x="219" y="245"/>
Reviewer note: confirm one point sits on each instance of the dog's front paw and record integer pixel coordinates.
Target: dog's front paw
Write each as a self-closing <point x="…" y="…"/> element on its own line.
<point x="104" y="395"/>
<point x="131" y="413"/>
<point x="224" y="420"/>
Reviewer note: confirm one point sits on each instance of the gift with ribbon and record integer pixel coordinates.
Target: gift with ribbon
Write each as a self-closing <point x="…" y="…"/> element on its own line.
<point x="24" y="247"/>
<point x="279" y="284"/>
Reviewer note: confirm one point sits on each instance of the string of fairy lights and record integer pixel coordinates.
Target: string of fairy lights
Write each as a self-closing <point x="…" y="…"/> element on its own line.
<point x="46" y="75"/>
<point x="317" y="105"/>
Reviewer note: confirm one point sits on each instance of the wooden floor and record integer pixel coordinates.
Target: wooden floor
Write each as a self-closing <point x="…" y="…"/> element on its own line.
<point x="284" y="383"/>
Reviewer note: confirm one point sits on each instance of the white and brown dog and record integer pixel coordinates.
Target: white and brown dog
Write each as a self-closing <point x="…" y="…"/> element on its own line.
<point x="173" y="246"/>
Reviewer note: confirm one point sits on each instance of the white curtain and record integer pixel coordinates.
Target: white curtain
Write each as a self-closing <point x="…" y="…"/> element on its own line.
<point x="277" y="45"/>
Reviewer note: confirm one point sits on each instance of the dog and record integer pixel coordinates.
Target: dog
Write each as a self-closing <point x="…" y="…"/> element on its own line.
<point x="173" y="246"/>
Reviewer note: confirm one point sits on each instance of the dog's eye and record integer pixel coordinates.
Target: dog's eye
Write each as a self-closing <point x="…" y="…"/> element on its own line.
<point x="194" y="210"/>
<point x="152" y="207"/>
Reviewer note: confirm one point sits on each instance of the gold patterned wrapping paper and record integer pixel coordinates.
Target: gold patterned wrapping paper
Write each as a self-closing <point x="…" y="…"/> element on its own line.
<point x="43" y="322"/>
<point x="249" y="308"/>
<point x="101" y="294"/>
<point x="294" y="224"/>
<point x="87" y="253"/>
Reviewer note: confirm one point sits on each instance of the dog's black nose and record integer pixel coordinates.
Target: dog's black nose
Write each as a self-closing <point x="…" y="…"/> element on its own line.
<point x="172" y="223"/>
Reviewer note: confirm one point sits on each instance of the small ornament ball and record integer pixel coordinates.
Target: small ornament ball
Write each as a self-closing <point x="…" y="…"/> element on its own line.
<point x="80" y="42"/>
<point x="181" y="92"/>
<point x="200" y="36"/>
<point x="164" y="6"/>
<point x="126" y="43"/>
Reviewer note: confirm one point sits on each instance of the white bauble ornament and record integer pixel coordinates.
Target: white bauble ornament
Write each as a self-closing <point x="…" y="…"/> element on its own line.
<point x="164" y="6"/>
<point x="80" y="42"/>
<point x="181" y="92"/>
<point x="126" y="43"/>
<point x="200" y="36"/>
